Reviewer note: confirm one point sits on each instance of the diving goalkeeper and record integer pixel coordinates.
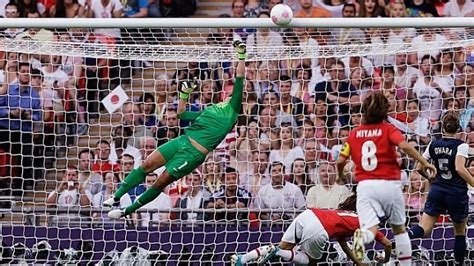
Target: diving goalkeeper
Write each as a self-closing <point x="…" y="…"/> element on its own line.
<point x="185" y="153"/>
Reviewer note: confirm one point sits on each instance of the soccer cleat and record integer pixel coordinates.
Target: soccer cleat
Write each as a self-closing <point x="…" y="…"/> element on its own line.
<point x="111" y="202"/>
<point x="236" y="260"/>
<point x="359" y="248"/>
<point x="116" y="214"/>
<point x="270" y="253"/>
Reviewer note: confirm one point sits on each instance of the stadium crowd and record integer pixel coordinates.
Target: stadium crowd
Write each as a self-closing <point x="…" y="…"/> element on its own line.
<point x="296" y="113"/>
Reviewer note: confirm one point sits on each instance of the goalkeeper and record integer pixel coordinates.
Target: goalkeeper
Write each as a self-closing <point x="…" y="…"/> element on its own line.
<point x="185" y="153"/>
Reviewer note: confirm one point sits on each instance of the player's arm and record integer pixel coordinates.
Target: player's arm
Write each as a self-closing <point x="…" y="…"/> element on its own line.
<point x="236" y="100"/>
<point x="184" y="91"/>
<point x="424" y="165"/>
<point x="348" y="251"/>
<point x="460" y="163"/>
<point x="342" y="160"/>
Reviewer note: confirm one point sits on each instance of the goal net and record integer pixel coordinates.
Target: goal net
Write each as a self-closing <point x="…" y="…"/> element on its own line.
<point x="81" y="108"/>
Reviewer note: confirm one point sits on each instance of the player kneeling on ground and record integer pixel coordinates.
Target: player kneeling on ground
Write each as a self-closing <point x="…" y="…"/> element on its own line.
<point x="306" y="237"/>
<point x="185" y="153"/>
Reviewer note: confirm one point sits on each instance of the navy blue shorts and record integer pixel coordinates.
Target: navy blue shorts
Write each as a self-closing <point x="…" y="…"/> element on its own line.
<point x="440" y="202"/>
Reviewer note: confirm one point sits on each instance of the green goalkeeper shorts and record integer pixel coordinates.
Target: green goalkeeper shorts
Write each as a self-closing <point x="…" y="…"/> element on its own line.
<point x="181" y="156"/>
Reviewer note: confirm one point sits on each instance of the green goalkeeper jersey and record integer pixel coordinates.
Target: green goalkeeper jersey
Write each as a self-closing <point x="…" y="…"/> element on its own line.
<point x="211" y="125"/>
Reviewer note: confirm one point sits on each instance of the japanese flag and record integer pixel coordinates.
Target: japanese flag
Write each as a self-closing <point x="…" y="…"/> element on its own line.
<point x="115" y="99"/>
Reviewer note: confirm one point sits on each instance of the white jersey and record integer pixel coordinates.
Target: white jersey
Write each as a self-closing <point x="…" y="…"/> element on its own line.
<point x="288" y="198"/>
<point x="405" y="80"/>
<point x="57" y="76"/>
<point x="68" y="198"/>
<point x="101" y="11"/>
<point x="319" y="197"/>
<point x="162" y="202"/>
<point x="429" y="98"/>
<point x="288" y="158"/>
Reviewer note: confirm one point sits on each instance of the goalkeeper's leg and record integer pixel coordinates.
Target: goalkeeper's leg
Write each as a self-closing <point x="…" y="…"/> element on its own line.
<point x="137" y="176"/>
<point x="157" y="159"/>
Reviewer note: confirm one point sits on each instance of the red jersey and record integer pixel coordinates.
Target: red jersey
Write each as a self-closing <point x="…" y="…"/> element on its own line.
<point x="340" y="224"/>
<point x="372" y="148"/>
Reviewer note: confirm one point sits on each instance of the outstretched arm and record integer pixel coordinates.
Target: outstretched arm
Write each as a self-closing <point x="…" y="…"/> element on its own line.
<point x="236" y="100"/>
<point x="185" y="89"/>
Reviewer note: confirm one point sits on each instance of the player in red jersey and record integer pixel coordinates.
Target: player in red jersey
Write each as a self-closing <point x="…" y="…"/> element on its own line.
<point x="308" y="234"/>
<point x="372" y="147"/>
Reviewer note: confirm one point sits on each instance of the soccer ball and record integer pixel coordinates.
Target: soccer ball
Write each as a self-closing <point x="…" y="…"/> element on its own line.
<point x="281" y="14"/>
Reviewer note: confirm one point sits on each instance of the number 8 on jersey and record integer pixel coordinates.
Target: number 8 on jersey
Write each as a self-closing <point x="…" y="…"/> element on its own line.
<point x="373" y="150"/>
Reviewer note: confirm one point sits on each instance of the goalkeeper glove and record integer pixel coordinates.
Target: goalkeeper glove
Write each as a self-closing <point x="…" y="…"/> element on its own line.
<point x="241" y="49"/>
<point x="186" y="88"/>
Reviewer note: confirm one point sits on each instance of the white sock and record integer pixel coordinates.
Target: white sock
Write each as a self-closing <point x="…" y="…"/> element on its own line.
<point x="403" y="249"/>
<point x="254" y="254"/>
<point x="367" y="236"/>
<point x="297" y="257"/>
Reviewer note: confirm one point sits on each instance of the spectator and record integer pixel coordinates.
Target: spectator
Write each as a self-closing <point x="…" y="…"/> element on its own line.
<point x="351" y="62"/>
<point x="299" y="175"/>
<point x="337" y="92"/>
<point x="307" y="131"/>
<point x="37" y="34"/>
<point x="91" y="181"/>
<point x="301" y="89"/>
<point x="428" y="38"/>
<point x="253" y="180"/>
<point x="339" y="137"/>
<point x="266" y="81"/>
<point x="249" y="104"/>
<point x="289" y="104"/>
<point x="208" y="95"/>
<point x="444" y="73"/>
<point x="139" y="129"/>
<point x="68" y="193"/>
<point x="119" y="146"/>
<point x="286" y="151"/>
<point x="312" y="157"/>
<point x="370" y="9"/>
<point x="67" y="9"/>
<point x="348" y="35"/>
<point x="388" y="84"/>
<point x="231" y="196"/>
<point x="11" y="11"/>
<point x="20" y="108"/>
<point x="25" y="6"/>
<point x="126" y="166"/>
<point x="110" y="186"/>
<point x="421" y="8"/>
<point x="102" y="163"/>
<point x="427" y="91"/>
<point x="459" y="8"/>
<point x="243" y="147"/>
<point x="420" y="125"/>
<point x="466" y="78"/>
<point x="238" y="9"/>
<point x="104" y="9"/>
<point x="272" y="3"/>
<point x="361" y="82"/>
<point x="192" y="200"/>
<point x="308" y="10"/>
<point x="162" y="202"/>
<point x="279" y="195"/>
<point x="417" y="193"/>
<point x="254" y="8"/>
<point x="380" y="37"/>
<point x="327" y="194"/>
<point x="147" y="106"/>
<point x="212" y="175"/>
<point x="405" y="75"/>
<point x="147" y="146"/>
<point x="264" y="37"/>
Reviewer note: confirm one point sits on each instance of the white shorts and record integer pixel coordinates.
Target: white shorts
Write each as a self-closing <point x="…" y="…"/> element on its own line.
<point x="307" y="231"/>
<point x="379" y="200"/>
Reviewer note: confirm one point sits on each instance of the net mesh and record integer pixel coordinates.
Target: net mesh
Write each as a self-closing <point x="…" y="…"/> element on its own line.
<point x="69" y="144"/>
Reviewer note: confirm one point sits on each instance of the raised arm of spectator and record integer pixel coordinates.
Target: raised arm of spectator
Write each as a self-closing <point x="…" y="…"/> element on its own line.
<point x="84" y="200"/>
